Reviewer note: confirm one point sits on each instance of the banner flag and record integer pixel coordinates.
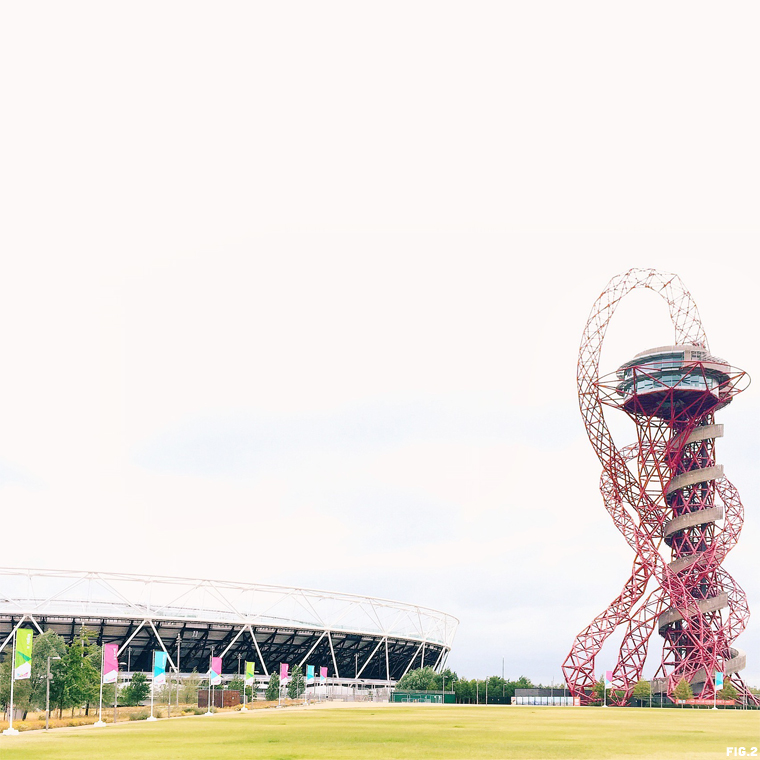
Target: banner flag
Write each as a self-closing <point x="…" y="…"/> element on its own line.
<point x="110" y="663"/>
<point x="250" y="668"/>
<point x="284" y="667"/>
<point x="215" y="674"/>
<point x="309" y="674"/>
<point x="323" y="674"/>
<point x="23" y="662"/>
<point x="719" y="680"/>
<point x="608" y="680"/>
<point x="159" y="668"/>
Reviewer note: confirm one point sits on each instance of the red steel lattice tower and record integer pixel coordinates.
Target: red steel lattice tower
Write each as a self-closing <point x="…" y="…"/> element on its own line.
<point x="665" y="494"/>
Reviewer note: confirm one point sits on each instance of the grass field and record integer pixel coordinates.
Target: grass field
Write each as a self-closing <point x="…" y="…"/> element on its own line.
<point x="390" y="732"/>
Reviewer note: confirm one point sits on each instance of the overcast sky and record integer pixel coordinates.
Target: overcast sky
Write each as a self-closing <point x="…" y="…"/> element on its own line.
<point x="314" y="275"/>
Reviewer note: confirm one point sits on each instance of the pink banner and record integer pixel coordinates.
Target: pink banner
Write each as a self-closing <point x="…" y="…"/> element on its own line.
<point x="215" y="676"/>
<point x="323" y="673"/>
<point x="284" y="671"/>
<point x="110" y="663"/>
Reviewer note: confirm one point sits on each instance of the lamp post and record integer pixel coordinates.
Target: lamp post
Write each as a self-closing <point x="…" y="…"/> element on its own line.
<point x="47" y="691"/>
<point x="100" y="722"/>
<point x="116" y="692"/>
<point x="179" y="680"/>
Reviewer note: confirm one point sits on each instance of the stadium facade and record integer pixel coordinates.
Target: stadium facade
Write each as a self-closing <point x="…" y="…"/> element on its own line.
<point x="357" y="638"/>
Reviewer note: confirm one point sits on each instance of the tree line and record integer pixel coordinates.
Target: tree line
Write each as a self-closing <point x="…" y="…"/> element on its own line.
<point x="642" y="692"/>
<point x="494" y="690"/>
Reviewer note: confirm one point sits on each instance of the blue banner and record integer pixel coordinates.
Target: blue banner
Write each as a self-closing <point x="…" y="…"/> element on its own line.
<point x="159" y="668"/>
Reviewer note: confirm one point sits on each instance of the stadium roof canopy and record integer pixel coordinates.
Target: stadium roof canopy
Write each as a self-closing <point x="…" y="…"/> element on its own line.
<point x="355" y="637"/>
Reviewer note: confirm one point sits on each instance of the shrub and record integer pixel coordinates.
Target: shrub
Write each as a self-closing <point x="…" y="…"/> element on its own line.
<point x="139" y="715"/>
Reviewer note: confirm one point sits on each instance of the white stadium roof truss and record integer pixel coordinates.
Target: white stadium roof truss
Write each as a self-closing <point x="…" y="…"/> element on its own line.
<point x="244" y="610"/>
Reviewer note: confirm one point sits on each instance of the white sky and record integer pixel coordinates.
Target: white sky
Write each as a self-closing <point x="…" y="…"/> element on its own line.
<point x="315" y="274"/>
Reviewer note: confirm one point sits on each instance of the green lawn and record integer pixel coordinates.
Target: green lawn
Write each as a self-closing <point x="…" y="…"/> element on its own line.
<point x="399" y="732"/>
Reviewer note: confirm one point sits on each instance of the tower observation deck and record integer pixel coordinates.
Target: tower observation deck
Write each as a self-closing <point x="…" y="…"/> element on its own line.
<point x="671" y="481"/>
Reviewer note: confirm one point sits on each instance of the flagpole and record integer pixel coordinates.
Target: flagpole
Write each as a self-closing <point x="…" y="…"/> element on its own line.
<point x="152" y="684"/>
<point x="100" y="701"/>
<point x="13" y="680"/>
<point x="210" y="687"/>
<point x="10" y="730"/>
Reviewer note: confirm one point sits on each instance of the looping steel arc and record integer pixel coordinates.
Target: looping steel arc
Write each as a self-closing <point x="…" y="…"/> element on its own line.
<point x="664" y="492"/>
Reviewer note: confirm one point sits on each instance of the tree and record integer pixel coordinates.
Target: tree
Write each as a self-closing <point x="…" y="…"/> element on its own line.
<point x="642" y="690"/>
<point x="189" y="690"/>
<point x="447" y="676"/>
<point x="463" y="691"/>
<point x="683" y="690"/>
<point x="29" y="693"/>
<point x="21" y="689"/>
<point x="296" y="686"/>
<point x="497" y="689"/>
<point x="80" y="672"/>
<point x="420" y="679"/>
<point x="597" y="692"/>
<point x="728" y="691"/>
<point x="49" y="644"/>
<point x="137" y="690"/>
<point x="238" y="684"/>
<point x="273" y="688"/>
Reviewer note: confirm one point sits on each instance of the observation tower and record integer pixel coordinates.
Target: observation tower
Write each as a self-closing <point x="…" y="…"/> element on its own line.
<point x="666" y="494"/>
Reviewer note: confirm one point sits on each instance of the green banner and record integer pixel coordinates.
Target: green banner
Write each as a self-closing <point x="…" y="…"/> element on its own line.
<point x="250" y="667"/>
<point x="23" y="661"/>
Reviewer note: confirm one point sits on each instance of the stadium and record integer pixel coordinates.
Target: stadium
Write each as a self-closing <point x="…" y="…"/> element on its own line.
<point x="359" y="639"/>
